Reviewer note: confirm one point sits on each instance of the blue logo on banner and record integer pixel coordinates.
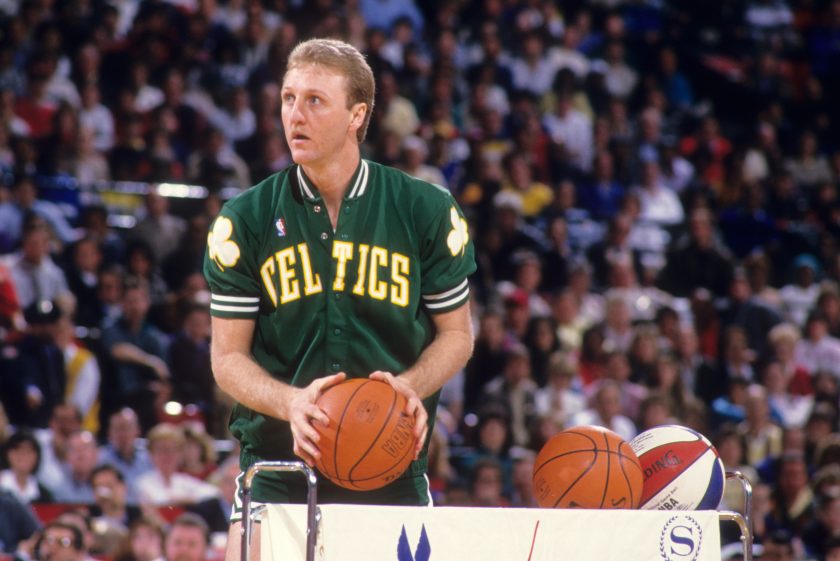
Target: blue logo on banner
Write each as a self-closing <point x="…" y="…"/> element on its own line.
<point x="680" y="539"/>
<point x="422" y="552"/>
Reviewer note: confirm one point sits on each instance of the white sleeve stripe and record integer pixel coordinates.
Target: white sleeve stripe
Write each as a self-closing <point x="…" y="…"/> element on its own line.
<point x="445" y="303"/>
<point x="244" y="299"/>
<point x="242" y="309"/>
<point x="446" y="294"/>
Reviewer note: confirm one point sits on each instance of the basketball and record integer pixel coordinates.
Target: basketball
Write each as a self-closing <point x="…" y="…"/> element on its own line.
<point x="370" y="440"/>
<point x="682" y="469"/>
<point x="587" y="467"/>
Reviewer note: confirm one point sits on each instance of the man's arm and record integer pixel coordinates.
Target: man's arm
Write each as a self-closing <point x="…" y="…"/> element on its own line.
<point x="247" y="382"/>
<point x="438" y="363"/>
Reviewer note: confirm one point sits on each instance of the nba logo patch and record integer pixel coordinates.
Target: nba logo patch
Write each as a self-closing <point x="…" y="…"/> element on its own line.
<point x="281" y="227"/>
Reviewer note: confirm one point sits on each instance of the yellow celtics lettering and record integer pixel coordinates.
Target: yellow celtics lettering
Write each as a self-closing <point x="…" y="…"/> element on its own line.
<point x="284" y="266"/>
<point x="379" y="274"/>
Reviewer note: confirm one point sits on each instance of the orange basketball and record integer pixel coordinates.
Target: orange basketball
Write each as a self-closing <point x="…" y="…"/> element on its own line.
<point x="587" y="467"/>
<point x="370" y="439"/>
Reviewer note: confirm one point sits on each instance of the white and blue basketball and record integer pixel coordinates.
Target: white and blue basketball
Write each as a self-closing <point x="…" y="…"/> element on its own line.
<point x="682" y="469"/>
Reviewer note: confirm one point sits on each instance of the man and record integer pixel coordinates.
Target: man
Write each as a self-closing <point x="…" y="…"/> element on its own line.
<point x="334" y="268"/>
<point x="138" y="352"/>
<point x="187" y="539"/>
<point x="110" y="493"/>
<point x="61" y="542"/>
<point x="35" y="275"/>
<point x="124" y="449"/>
<point x="82" y="458"/>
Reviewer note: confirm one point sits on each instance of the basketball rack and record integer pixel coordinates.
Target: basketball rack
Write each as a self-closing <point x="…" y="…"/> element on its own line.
<point x="744" y="521"/>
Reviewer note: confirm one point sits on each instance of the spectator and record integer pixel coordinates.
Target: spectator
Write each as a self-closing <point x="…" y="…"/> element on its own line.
<point x="65" y="420"/>
<point x="794" y="502"/>
<point x="82" y="374"/>
<point x="62" y="541"/>
<point x="514" y="390"/>
<point x="36" y="276"/>
<point x="17" y="522"/>
<point x="124" y="449"/>
<point x="571" y="132"/>
<point x="606" y="411"/>
<point x="41" y="378"/>
<point x="110" y="498"/>
<point x="138" y="352"/>
<point x="187" y="539"/>
<point x="82" y="458"/>
<point x="189" y="355"/>
<point x="487" y="484"/>
<point x="164" y="485"/>
<point x="143" y="543"/>
<point x="96" y="117"/>
<point x="818" y="351"/>
<point x="800" y="296"/>
<point x="159" y="229"/>
<point x="559" y="400"/>
<point x="659" y="204"/>
<point x="22" y="454"/>
<point x="199" y="452"/>
<point x="697" y="261"/>
<point x="17" y="213"/>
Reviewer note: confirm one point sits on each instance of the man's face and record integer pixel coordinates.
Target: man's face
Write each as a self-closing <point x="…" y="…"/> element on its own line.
<point x="108" y="489"/>
<point x="185" y="543"/>
<point x="316" y="119"/>
<point x="57" y="545"/>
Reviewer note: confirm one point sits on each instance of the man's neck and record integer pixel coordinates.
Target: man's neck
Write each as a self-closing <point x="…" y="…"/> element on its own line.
<point x="332" y="177"/>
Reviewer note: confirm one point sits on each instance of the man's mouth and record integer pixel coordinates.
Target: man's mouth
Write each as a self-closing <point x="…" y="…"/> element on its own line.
<point x="299" y="136"/>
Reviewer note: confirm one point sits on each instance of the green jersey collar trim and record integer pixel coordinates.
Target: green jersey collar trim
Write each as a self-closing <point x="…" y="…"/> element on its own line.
<point x="358" y="183"/>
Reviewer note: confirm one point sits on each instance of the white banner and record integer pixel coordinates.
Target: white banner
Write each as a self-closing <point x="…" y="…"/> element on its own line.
<point x="381" y="533"/>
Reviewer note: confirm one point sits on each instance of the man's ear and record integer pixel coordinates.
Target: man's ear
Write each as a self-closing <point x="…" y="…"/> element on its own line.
<point x="358" y="112"/>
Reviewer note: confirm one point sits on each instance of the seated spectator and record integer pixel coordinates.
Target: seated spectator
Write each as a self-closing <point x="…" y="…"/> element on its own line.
<point x="789" y="409"/>
<point x="189" y="355"/>
<point x="606" y="411"/>
<point x="659" y="204"/>
<point x="62" y="541"/>
<point x="35" y="275"/>
<point x="82" y="374"/>
<point x="23" y="202"/>
<point x="697" y="261"/>
<point x="159" y="229"/>
<point x="486" y="484"/>
<point x="65" y="420"/>
<point x="17" y="522"/>
<point x="800" y="296"/>
<point x="125" y="450"/>
<point x="199" y="451"/>
<point x="164" y="485"/>
<point x="514" y="390"/>
<point x="138" y="352"/>
<point x="809" y="167"/>
<point x="559" y="400"/>
<point x="187" y="539"/>
<point x="82" y="458"/>
<point x="110" y="493"/>
<point x="144" y="542"/>
<point x="793" y="500"/>
<point x="39" y="368"/>
<point x="818" y="351"/>
<point x="22" y="454"/>
<point x="82" y="278"/>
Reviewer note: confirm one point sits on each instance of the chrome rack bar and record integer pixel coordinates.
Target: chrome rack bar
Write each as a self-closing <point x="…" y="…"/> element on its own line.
<point x="311" y="503"/>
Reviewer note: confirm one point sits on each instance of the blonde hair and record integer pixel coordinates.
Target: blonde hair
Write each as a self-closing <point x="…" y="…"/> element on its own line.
<point x="348" y="61"/>
<point x="166" y="432"/>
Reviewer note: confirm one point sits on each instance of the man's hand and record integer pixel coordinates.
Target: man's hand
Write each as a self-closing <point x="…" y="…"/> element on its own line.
<point x="303" y="413"/>
<point x="415" y="406"/>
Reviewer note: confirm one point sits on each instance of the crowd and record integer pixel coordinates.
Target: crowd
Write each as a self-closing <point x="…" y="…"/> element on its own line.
<point x="651" y="186"/>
